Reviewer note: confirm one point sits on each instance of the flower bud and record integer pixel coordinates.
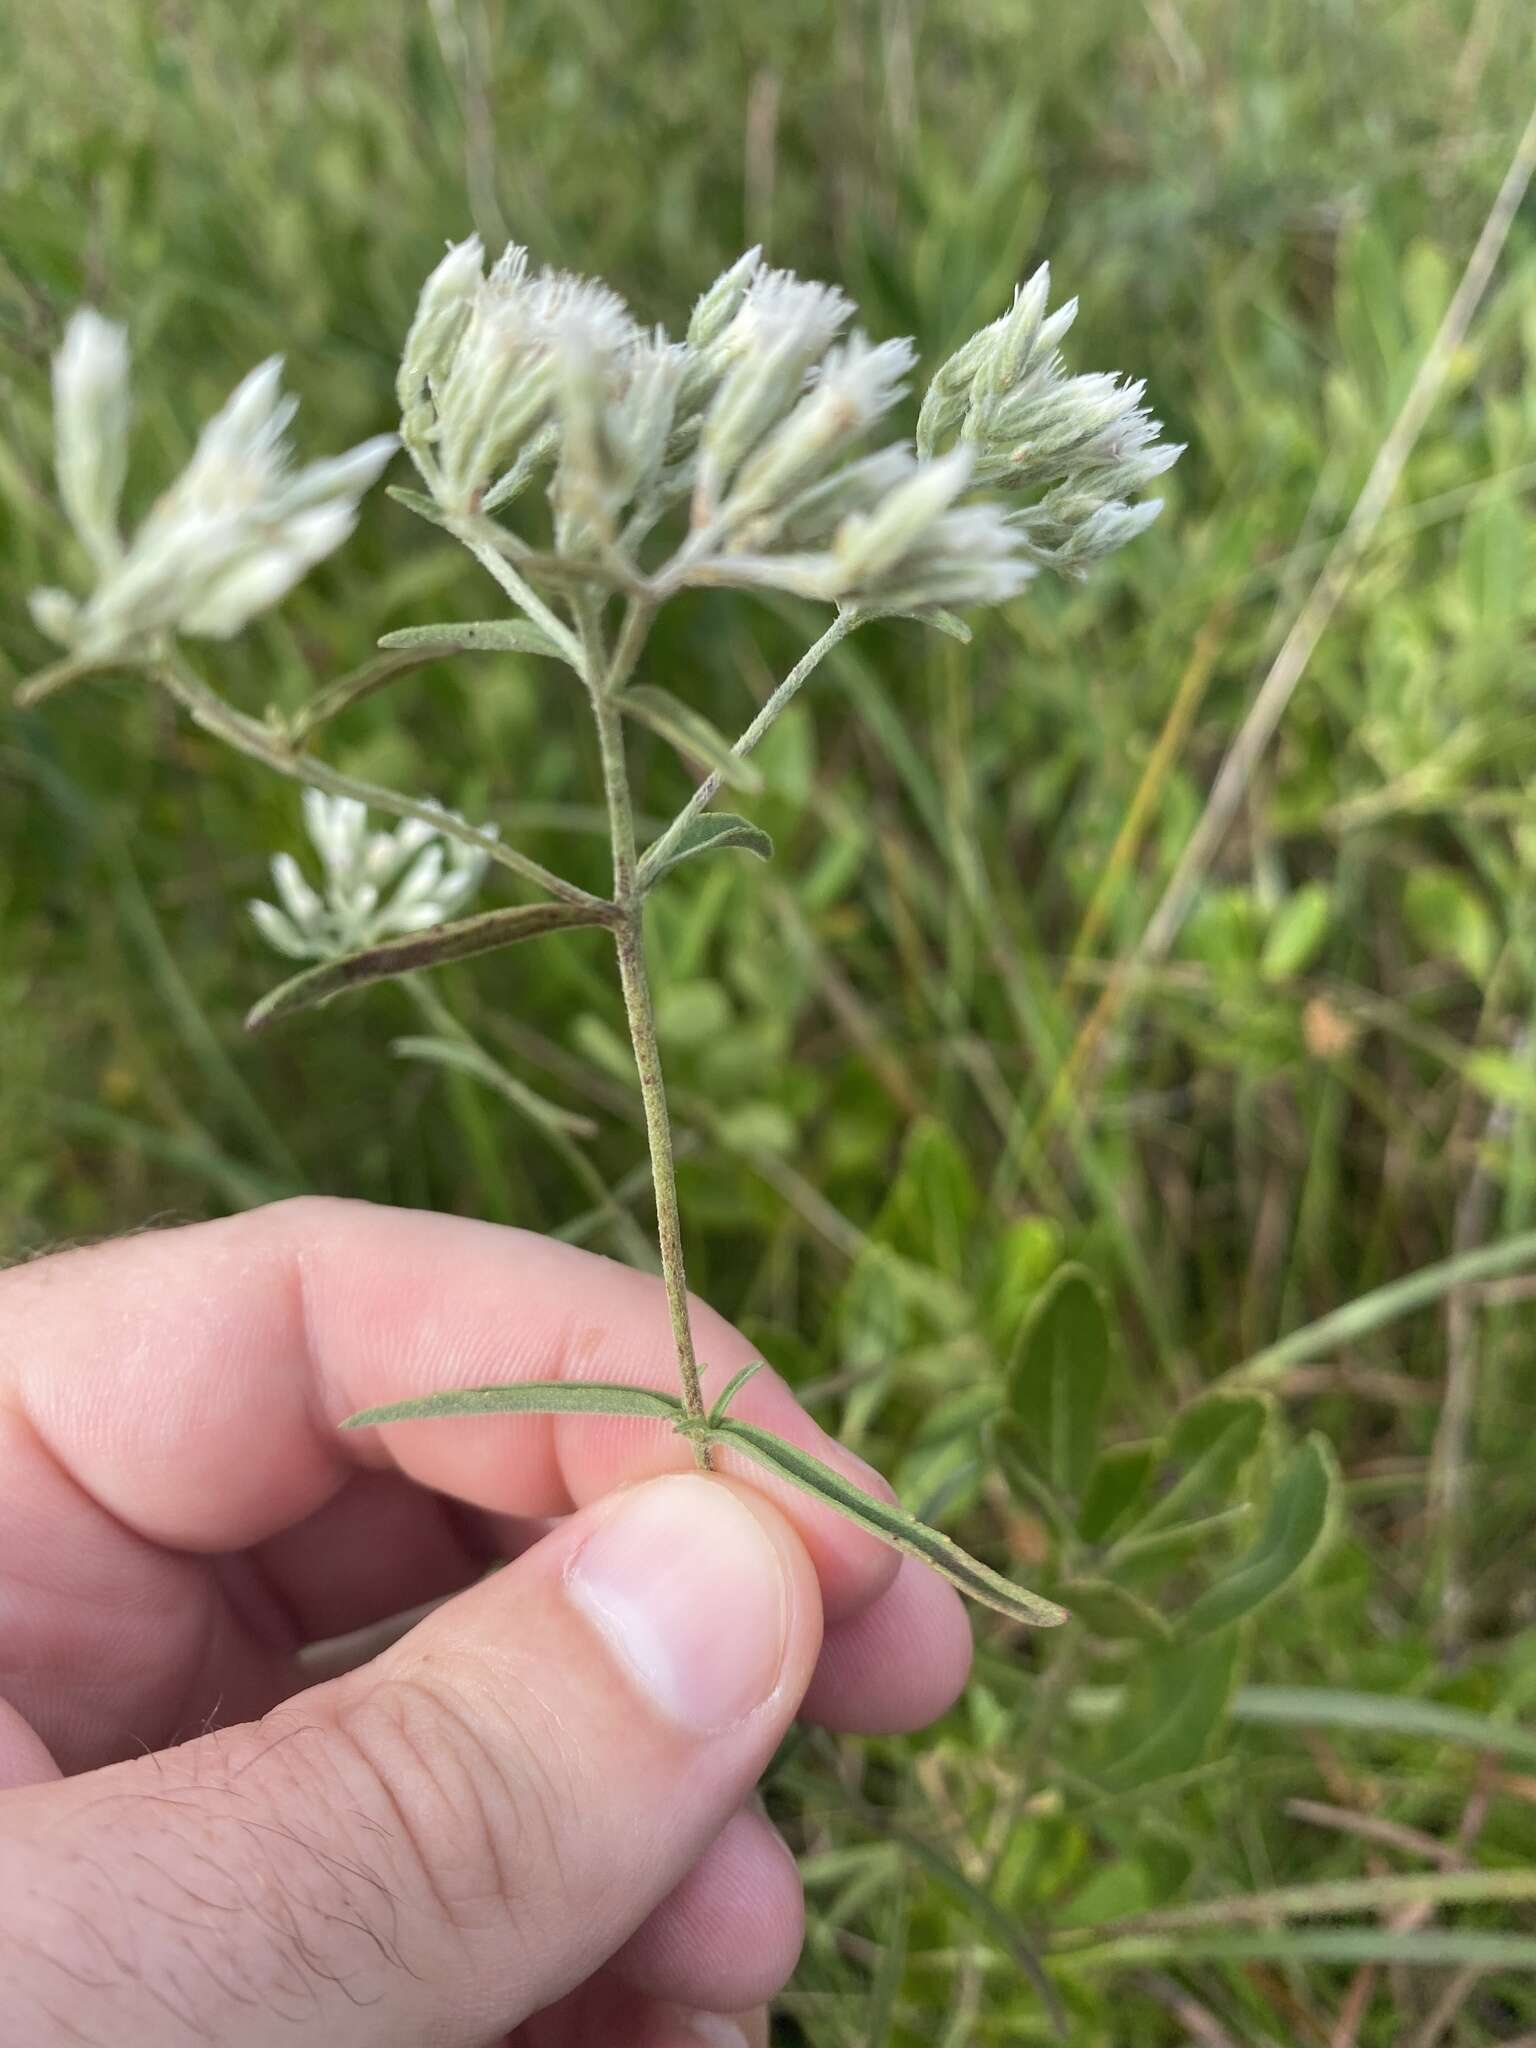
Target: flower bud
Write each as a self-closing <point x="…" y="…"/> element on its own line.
<point x="718" y="306"/>
<point x="441" y="312"/>
<point x="90" y="424"/>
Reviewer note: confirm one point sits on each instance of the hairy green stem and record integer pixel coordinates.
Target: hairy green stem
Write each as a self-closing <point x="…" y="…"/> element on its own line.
<point x="605" y="679"/>
<point x="479" y="535"/>
<point x="783" y="696"/>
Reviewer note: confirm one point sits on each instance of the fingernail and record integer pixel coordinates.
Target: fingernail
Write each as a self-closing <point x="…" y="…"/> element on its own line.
<point x="715" y="2030"/>
<point x="689" y="1591"/>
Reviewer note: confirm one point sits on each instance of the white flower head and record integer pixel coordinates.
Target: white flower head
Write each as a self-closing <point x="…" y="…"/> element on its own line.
<point x="783" y="327"/>
<point x="90" y="425"/>
<point x="441" y="313"/>
<point x="373" y="885"/>
<point x="1086" y="442"/>
<point x="232" y="535"/>
<point x="851" y="391"/>
<point x="497" y="388"/>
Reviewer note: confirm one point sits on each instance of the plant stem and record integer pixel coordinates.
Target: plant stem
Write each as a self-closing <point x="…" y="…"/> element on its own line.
<point x="605" y="679"/>
<point x="249" y="736"/>
<point x="479" y="536"/>
<point x="782" y="697"/>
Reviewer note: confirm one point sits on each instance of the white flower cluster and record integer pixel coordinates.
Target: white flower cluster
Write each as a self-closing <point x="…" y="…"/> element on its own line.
<point x="1088" y="440"/>
<point x="373" y="885"/>
<point x="231" y="536"/>
<point x="761" y="420"/>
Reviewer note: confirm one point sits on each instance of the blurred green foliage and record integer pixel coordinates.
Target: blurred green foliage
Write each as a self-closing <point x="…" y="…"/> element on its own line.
<point x="1329" y="1083"/>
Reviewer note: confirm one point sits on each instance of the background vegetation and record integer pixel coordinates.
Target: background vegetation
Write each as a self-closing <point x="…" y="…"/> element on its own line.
<point x="905" y="1094"/>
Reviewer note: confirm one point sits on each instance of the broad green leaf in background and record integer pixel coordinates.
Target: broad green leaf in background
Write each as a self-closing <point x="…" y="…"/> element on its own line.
<point x="1057" y="1378"/>
<point x="1295" y="1526"/>
<point x="1172" y="1708"/>
<point x="1297" y="933"/>
<point x="1211" y="1442"/>
<point x="1119" y="1480"/>
<point x="931" y="1210"/>
<point x="710" y="832"/>
<point x="1451" y="920"/>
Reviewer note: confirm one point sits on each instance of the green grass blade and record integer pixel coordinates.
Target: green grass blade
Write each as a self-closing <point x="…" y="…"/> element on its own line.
<point x="1472" y="1948"/>
<point x="1370" y="1312"/>
<point x="528" y="1397"/>
<point x="1373" y="1713"/>
<point x="893" y="1525"/>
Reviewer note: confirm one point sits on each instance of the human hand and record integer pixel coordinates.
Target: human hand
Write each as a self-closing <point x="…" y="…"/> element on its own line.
<point x="528" y="1819"/>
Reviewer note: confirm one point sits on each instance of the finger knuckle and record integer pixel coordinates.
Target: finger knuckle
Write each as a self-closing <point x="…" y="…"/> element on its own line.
<point x="471" y="1805"/>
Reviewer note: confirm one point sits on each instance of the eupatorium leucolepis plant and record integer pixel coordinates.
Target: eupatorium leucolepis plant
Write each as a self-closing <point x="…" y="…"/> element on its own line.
<point x="595" y="469"/>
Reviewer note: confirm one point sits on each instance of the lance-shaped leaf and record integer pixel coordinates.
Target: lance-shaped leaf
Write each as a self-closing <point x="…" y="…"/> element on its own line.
<point x="892" y="1525"/>
<point x="528" y="1397"/>
<point x="690" y="732"/>
<point x="1300" y="1510"/>
<point x="787" y="1461"/>
<point x="418" y="502"/>
<point x="463" y="1056"/>
<point x="710" y="831"/>
<point x="460" y="940"/>
<point x="1116" y="1614"/>
<point x="475" y="636"/>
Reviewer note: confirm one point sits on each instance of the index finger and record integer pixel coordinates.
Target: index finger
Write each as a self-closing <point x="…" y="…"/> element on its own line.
<point x="192" y="1381"/>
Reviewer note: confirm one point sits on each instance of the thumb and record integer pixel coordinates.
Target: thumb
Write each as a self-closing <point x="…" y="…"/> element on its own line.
<point x="450" y="1838"/>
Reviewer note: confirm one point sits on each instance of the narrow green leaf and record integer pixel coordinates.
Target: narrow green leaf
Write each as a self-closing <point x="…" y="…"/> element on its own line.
<point x="690" y="732"/>
<point x="1058" y="1374"/>
<point x="527" y="1397"/>
<point x="707" y="833"/>
<point x="731" y="1389"/>
<point x="460" y="940"/>
<point x="948" y="622"/>
<point x="1118" y="1481"/>
<point x="463" y="1057"/>
<point x="1294" y="1527"/>
<point x="1114" y="1613"/>
<point x="1171" y="1711"/>
<point x="893" y="1525"/>
<point x="1429" y="1948"/>
<point x="1368" y="1313"/>
<point x="1339" y="1895"/>
<point x="417" y="502"/>
<point x="476" y="636"/>
<point x="1381" y="1716"/>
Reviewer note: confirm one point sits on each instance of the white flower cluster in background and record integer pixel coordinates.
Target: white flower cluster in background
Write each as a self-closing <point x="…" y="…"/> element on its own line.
<point x="762" y="421"/>
<point x="373" y="885"/>
<point x="231" y="536"/>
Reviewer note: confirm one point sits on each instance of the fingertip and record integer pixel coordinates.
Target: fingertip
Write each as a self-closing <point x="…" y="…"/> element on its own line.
<point x="896" y="1666"/>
